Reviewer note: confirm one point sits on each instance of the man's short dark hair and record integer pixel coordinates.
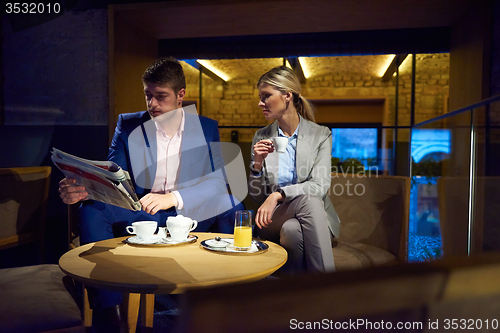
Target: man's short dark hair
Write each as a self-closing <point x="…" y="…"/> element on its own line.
<point x="166" y="71"/>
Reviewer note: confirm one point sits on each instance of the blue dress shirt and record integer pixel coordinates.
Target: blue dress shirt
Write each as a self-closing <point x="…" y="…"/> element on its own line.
<point x="287" y="173"/>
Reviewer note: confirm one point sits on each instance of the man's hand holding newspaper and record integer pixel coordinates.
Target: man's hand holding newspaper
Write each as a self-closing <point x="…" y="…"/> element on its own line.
<point x="97" y="180"/>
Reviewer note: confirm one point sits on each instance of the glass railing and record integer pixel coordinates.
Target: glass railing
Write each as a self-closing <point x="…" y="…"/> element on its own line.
<point x="455" y="196"/>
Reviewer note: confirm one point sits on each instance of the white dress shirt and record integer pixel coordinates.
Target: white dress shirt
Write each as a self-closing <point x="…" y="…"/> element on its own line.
<point x="168" y="156"/>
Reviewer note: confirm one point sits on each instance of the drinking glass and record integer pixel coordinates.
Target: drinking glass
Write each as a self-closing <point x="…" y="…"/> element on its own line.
<point x="243" y="229"/>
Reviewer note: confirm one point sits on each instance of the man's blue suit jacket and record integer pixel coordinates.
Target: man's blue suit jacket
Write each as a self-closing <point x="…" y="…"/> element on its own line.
<point x="200" y="174"/>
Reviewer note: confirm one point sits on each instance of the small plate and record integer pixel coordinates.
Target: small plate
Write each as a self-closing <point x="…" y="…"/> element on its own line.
<point x="139" y="240"/>
<point x="217" y="244"/>
<point x="256" y="248"/>
<point x="159" y="241"/>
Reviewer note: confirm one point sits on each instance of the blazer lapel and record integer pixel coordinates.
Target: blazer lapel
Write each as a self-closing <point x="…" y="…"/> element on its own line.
<point x="142" y="149"/>
<point x="193" y="148"/>
<point x="193" y="136"/>
<point x="149" y="132"/>
<point x="302" y="160"/>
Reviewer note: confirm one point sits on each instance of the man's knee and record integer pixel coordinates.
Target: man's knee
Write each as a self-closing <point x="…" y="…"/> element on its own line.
<point x="94" y="222"/>
<point x="100" y="221"/>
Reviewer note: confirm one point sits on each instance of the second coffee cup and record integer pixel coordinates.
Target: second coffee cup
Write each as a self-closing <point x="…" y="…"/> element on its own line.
<point x="179" y="227"/>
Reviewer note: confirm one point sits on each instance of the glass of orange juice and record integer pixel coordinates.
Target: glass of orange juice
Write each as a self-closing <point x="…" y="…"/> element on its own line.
<point x="243" y="229"/>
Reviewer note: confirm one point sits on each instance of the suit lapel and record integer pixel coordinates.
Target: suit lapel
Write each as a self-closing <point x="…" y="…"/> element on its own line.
<point x="193" y="136"/>
<point x="193" y="146"/>
<point x="141" y="146"/>
<point x="150" y="152"/>
<point x="149" y="132"/>
<point x="302" y="161"/>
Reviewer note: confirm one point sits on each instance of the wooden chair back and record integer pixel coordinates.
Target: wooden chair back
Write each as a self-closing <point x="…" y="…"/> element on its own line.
<point x="23" y="205"/>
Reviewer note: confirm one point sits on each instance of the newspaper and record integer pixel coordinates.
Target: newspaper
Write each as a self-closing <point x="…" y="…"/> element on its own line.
<point x="104" y="181"/>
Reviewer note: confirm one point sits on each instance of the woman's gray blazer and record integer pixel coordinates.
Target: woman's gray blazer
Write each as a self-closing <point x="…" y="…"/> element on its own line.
<point x="313" y="163"/>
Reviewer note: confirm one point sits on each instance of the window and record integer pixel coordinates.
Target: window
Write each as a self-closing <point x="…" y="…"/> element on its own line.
<point x="356" y="143"/>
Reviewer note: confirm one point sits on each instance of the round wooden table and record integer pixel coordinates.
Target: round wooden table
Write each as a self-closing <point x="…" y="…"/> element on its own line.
<point x="115" y="265"/>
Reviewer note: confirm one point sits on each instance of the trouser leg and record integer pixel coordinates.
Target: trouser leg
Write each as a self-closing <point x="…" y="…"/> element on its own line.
<point x="309" y="212"/>
<point x="292" y="240"/>
<point x="317" y="236"/>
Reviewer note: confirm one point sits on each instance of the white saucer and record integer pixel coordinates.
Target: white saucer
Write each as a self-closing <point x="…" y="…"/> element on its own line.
<point x="218" y="244"/>
<point x="160" y="241"/>
<point x="169" y="240"/>
<point x="138" y="240"/>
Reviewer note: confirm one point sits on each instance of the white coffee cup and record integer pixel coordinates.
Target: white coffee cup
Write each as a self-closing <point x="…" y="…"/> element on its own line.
<point x="179" y="227"/>
<point x="143" y="229"/>
<point x="280" y="143"/>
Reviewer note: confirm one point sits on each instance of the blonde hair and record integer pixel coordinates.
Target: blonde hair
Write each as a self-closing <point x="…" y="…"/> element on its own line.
<point x="284" y="79"/>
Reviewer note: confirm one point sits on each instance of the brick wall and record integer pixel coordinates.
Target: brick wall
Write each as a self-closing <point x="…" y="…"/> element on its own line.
<point x="235" y="103"/>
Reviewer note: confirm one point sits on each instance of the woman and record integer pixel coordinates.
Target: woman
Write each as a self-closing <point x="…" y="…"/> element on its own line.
<point x="292" y="187"/>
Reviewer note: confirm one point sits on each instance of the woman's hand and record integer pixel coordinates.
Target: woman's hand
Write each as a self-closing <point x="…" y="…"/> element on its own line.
<point x="266" y="210"/>
<point x="261" y="149"/>
<point x="153" y="202"/>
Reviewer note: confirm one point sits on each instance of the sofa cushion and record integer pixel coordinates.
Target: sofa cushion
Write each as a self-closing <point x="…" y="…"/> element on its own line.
<point x="372" y="210"/>
<point x="34" y="299"/>
<point x="353" y="255"/>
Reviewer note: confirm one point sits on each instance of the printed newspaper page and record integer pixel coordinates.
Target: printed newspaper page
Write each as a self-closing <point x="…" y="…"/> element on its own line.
<point x="104" y="180"/>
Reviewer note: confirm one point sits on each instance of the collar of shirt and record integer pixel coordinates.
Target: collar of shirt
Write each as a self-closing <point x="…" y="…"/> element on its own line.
<point x="294" y="135"/>
<point x="287" y="173"/>
<point x="179" y="131"/>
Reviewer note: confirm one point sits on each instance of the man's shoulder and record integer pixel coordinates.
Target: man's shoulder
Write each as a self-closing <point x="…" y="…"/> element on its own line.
<point x="140" y="115"/>
<point x="128" y="122"/>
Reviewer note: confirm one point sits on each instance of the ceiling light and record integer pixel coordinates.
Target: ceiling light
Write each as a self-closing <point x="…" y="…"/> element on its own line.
<point x="207" y="64"/>
<point x="384" y="65"/>
<point x="305" y="67"/>
<point x="406" y="64"/>
<point x="287" y="64"/>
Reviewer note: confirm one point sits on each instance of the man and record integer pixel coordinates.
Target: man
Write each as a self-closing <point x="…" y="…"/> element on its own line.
<point x="175" y="166"/>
